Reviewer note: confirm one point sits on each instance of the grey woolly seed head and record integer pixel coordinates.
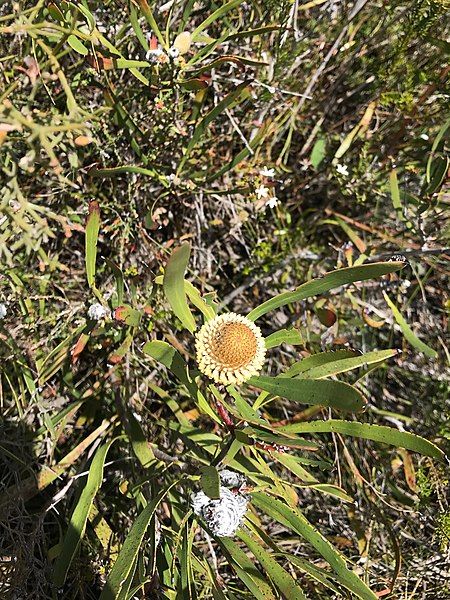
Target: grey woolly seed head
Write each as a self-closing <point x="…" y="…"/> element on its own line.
<point x="231" y="479"/>
<point x="224" y="515"/>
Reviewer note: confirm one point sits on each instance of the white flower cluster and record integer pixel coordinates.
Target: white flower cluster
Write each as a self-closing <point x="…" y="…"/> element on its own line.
<point x="224" y="515"/>
<point x="263" y="192"/>
<point x="3" y="311"/>
<point x="97" y="312"/>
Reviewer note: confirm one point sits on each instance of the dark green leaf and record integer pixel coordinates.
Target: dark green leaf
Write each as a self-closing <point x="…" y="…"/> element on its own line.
<point x="336" y="394"/>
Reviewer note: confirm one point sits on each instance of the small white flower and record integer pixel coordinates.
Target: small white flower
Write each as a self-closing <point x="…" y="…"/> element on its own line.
<point x="262" y="191"/>
<point x="97" y="312"/>
<point x="267" y="172"/>
<point x="173" y="52"/>
<point x="342" y="169"/>
<point x="3" y="311"/>
<point x="272" y="202"/>
<point x="424" y="136"/>
<point x="222" y="516"/>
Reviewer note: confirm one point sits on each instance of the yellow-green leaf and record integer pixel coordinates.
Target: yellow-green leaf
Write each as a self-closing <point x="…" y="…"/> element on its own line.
<point x="409" y="334"/>
<point x="91" y="239"/>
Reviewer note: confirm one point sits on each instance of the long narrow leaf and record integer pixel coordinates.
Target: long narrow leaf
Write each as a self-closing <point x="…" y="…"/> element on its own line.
<point x="217" y="14"/>
<point x="377" y="433"/>
<point x="78" y="520"/>
<point x="293" y="518"/>
<point x="92" y="229"/>
<point x="346" y="364"/>
<point x="324" y="393"/>
<point x="281" y="578"/>
<point x="327" y="282"/>
<point x="173" y="284"/>
<point x="129" y="551"/>
<point x="408" y="332"/>
<point x="246" y="570"/>
<point x="228" y="102"/>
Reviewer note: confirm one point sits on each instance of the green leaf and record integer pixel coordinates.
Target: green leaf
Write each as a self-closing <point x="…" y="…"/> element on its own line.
<point x="253" y="32"/>
<point x="139" y="442"/>
<point x="294" y="519"/>
<point x="217" y="14"/>
<point x="336" y="394"/>
<point x="377" y="433"/>
<point x="134" y="20"/>
<point x="284" y="336"/>
<point x="193" y="85"/>
<point x="78" y="520"/>
<point x="437" y="145"/>
<point x="210" y="482"/>
<point x="281" y="578"/>
<point x="198" y="301"/>
<point x="315" y="360"/>
<point x="395" y="193"/>
<point x="148" y="14"/>
<point x="173" y="285"/>
<point x="328" y="281"/>
<point x="343" y="365"/>
<point x="246" y="150"/>
<point x="112" y="171"/>
<point x="408" y="332"/>
<point x="229" y="101"/>
<point x="318" y="153"/>
<point x="91" y="239"/>
<point x="128" y="315"/>
<point x="170" y="358"/>
<point x="315" y="572"/>
<point x="114" y="587"/>
<point x="246" y="570"/>
<point x="77" y="45"/>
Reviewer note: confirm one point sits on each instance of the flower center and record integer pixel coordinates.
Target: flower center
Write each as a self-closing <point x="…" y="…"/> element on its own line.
<point x="234" y="345"/>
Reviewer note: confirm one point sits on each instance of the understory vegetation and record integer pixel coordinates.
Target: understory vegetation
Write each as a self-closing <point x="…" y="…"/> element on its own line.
<point x="224" y="251"/>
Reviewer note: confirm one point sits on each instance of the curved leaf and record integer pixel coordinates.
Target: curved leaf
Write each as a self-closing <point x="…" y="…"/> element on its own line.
<point x="210" y="481"/>
<point x="78" y="520"/>
<point x="114" y="587"/>
<point x="343" y="365"/>
<point x="246" y="570"/>
<point x="284" y="336"/>
<point x="229" y="101"/>
<point x="408" y="332"/>
<point x="316" y="360"/>
<point x="281" y="578"/>
<point x="294" y="519"/>
<point x="377" y="433"/>
<point x="328" y="281"/>
<point x="313" y="391"/>
<point x="217" y="14"/>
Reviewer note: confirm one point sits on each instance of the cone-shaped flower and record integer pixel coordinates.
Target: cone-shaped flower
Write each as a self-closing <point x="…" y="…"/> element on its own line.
<point x="230" y="349"/>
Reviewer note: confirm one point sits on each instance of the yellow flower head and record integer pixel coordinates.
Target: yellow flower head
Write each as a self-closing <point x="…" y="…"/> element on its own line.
<point x="230" y="349"/>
